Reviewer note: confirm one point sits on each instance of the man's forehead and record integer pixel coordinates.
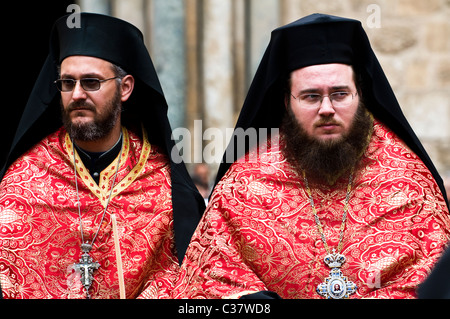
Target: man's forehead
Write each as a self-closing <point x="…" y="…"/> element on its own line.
<point x="85" y="64"/>
<point x="332" y="75"/>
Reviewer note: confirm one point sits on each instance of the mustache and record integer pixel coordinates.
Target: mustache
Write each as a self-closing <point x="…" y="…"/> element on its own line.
<point x="326" y="121"/>
<point x="80" y="105"/>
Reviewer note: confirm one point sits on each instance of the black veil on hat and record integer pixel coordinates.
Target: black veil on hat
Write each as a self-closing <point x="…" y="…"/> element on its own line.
<point x="320" y="39"/>
<point x="120" y="43"/>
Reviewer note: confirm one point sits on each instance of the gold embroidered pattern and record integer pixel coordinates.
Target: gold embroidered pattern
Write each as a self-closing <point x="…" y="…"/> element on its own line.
<point x="106" y="176"/>
<point x="40" y="229"/>
<point x="258" y="232"/>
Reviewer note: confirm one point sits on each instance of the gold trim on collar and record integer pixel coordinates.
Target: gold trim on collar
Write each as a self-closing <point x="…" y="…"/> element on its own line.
<point x="102" y="190"/>
<point x="137" y="169"/>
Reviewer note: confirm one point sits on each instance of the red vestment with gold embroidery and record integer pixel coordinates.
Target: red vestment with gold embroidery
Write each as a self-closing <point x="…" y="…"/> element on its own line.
<point x="40" y="228"/>
<point x="258" y="232"/>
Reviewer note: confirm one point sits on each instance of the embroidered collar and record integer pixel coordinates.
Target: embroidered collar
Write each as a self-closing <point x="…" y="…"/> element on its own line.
<point x="96" y="162"/>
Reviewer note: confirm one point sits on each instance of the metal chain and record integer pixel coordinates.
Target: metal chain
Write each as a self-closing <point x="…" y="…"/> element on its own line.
<point x="316" y="217"/>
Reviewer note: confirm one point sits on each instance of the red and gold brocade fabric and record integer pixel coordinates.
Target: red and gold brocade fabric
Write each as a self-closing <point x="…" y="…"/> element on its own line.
<point x="40" y="229"/>
<point x="258" y="232"/>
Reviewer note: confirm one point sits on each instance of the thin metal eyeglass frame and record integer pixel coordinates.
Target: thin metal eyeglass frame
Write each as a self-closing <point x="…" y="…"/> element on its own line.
<point x="59" y="86"/>
<point x="329" y="96"/>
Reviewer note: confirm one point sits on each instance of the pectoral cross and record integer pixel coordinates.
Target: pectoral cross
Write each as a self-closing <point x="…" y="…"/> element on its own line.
<point x="86" y="266"/>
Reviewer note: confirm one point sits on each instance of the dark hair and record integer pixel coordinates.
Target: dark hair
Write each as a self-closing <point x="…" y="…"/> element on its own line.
<point x="118" y="71"/>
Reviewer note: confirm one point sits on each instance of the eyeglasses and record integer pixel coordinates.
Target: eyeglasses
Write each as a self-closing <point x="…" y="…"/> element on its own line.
<point x="314" y="100"/>
<point x="88" y="84"/>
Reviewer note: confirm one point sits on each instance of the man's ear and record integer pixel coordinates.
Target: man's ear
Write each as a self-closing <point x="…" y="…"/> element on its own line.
<point x="127" y="86"/>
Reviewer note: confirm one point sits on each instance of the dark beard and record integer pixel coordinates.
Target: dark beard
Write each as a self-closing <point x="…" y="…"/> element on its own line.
<point x="100" y="127"/>
<point x="326" y="161"/>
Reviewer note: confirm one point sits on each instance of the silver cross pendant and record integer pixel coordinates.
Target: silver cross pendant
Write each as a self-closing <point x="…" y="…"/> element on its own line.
<point x="86" y="266"/>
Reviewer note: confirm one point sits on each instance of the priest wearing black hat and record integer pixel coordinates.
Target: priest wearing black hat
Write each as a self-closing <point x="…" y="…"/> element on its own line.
<point x="91" y="203"/>
<point x="340" y="201"/>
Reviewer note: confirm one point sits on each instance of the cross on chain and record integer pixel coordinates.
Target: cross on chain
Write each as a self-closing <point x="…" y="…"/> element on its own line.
<point x="86" y="266"/>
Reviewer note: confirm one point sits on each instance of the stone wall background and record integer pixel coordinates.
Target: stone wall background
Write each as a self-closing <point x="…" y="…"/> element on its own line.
<point x="206" y="53"/>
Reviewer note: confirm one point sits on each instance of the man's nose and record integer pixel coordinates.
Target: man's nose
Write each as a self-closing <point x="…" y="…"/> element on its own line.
<point x="78" y="92"/>
<point x="326" y="107"/>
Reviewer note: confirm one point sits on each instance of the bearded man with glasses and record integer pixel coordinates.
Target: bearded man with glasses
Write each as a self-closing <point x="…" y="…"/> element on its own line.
<point x="91" y="203"/>
<point x="341" y="201"/>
